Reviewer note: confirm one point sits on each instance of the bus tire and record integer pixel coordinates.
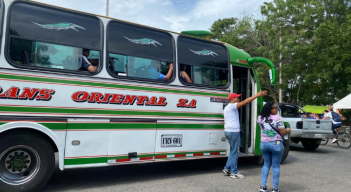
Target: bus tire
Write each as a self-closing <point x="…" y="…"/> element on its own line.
<point x="311" y="144"/>
<point x="27" y="161"/>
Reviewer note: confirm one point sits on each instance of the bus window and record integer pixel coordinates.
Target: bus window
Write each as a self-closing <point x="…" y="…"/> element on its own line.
<point x="138" y="52"/>
<point x="47" y="55"/>
<point x="48" y="38"/>
<point x="137" y="67"/>
<point x="207" y="63"/>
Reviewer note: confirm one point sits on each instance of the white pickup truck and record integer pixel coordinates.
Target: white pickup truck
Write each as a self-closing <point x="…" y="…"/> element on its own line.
<point x="309" y="131"/>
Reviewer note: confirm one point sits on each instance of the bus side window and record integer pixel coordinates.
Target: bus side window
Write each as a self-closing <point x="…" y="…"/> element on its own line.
<point x="137" y="67"/>
<point x="44" y="42"/>
<point x="206" y="63"/>
<point x="147" y="52"/>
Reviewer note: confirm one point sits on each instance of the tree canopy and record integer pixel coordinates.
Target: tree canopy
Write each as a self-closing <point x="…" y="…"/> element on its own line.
<point x="312" y="40"/>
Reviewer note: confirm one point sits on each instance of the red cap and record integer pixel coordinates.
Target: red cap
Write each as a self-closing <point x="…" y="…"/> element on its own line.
<point x="232" y="95"/>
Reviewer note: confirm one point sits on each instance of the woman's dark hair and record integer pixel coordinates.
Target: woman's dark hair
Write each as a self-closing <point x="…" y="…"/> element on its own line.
<point x="266" y="111"/>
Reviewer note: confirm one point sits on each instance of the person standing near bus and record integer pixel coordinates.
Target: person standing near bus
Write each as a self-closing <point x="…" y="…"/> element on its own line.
<point x="232" y="131"/>
<point x="272" y="130"/>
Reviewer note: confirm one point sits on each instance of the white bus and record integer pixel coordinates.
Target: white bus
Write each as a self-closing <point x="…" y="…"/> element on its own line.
<point x="124" y="110"/>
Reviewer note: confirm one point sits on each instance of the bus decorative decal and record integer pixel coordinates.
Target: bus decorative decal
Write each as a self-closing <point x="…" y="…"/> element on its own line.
<point x="143" y="41"/>
<point x="108" y="98"/>
<point x="205" y="52"/>
<point x="27" y="94"/>
<point x="59" y="26"/>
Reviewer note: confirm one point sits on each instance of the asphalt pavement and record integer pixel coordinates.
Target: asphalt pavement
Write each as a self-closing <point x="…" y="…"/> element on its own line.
<point x="325" y="169"/>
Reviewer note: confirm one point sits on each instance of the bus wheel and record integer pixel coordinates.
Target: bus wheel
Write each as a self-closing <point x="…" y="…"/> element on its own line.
<point x="27" y="161"/>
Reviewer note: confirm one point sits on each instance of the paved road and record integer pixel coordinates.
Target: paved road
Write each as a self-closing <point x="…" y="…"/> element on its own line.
<point x="326" y="169"/>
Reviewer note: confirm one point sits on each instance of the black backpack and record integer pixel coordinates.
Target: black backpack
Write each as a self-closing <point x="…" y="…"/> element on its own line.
<point x="336" y="117"/>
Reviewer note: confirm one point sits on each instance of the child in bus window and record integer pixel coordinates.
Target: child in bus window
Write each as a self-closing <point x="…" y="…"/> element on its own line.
<point x="183" y="75"/>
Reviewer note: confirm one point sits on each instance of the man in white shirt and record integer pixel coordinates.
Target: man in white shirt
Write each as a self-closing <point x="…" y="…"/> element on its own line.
<point x="232" y="130"/>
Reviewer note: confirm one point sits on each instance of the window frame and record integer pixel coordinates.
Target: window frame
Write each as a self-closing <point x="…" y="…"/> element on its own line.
<point x="218" y="68"/>
<point x="65" y="71"/>
<point x="2" y="13"/>
<point x="138" y="79"/>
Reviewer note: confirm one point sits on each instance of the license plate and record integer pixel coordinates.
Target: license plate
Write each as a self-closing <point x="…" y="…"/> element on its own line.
<point x="171" y="140"/>
<point x="319" y="136"/>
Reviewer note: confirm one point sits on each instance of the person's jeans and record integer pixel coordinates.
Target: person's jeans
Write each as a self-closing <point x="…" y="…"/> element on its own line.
<point x="232" y="162"/>
<point x="272" y="155"/>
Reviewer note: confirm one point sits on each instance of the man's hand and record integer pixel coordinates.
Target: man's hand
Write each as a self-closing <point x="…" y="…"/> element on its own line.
<point x="170" y="66"/>
<point x="261" y="93"/>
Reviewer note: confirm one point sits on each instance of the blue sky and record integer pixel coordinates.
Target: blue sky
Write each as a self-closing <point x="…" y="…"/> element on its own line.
<point x="173" y="15"/>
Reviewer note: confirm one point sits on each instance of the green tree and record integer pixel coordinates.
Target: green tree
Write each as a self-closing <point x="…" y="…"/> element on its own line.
<point x="315" y="46"/>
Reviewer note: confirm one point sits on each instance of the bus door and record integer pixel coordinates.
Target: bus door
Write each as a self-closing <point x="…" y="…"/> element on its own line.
<point x="244" y="84"/>
<point x="131" y="141"/>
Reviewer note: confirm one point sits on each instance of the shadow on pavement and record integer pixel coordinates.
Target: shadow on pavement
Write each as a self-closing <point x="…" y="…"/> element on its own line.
<point x="74" y="179"/>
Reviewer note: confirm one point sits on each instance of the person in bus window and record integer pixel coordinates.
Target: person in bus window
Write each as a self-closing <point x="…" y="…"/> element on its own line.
<point x="154" y="71"/>
<point x="86" y="65"/>
<point x="232" y="130"/>
<point x="183" y="75"/>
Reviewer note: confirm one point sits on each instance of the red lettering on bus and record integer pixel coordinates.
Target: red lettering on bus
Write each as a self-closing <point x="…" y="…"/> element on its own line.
<point x="182" y="103"/>
<point x="141" y="100"/>
<point x="116" y="99"/>
<point x="10" y="93"/>
<point x="106" y="97"/>
<point x="151" y="101"/>
<point x="80" y="96"/>
<point x="45" y="94"/>
<point x="95" y="97"/>
<point x="162" y="101"/>
<point x="129" y="99"/>
<point x="192" y="104"/>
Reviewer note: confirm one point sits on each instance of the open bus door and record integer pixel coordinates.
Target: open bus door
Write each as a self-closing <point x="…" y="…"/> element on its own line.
<point x="244" y="84"/>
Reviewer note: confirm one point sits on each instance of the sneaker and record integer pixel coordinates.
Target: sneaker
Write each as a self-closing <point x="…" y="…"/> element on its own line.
<point x="263" y="189"/>
<point x="334" y="140"/>
<point x="275" y="190"/>
<point x="238" y="175"/>
<point x="226" y="172"/>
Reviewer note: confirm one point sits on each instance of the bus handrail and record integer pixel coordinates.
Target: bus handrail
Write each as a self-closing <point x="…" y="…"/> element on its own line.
<point x="266" y="61"/>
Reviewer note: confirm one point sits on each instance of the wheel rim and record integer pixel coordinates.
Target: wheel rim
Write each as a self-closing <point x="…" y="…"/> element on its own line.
<point x="344" y="140"/>
<point x="18" y="165"/>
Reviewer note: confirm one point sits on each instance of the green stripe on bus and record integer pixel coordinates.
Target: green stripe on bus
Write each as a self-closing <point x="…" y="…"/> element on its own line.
<point x="87" y="83"/>
<point x="55" y="126"/>
<point x="80" y="161"/>
<point x="88" y="126"/>
<point x="133" y="125"/>
<point x="190" y="126"/>
<point x="104" y="112"/>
